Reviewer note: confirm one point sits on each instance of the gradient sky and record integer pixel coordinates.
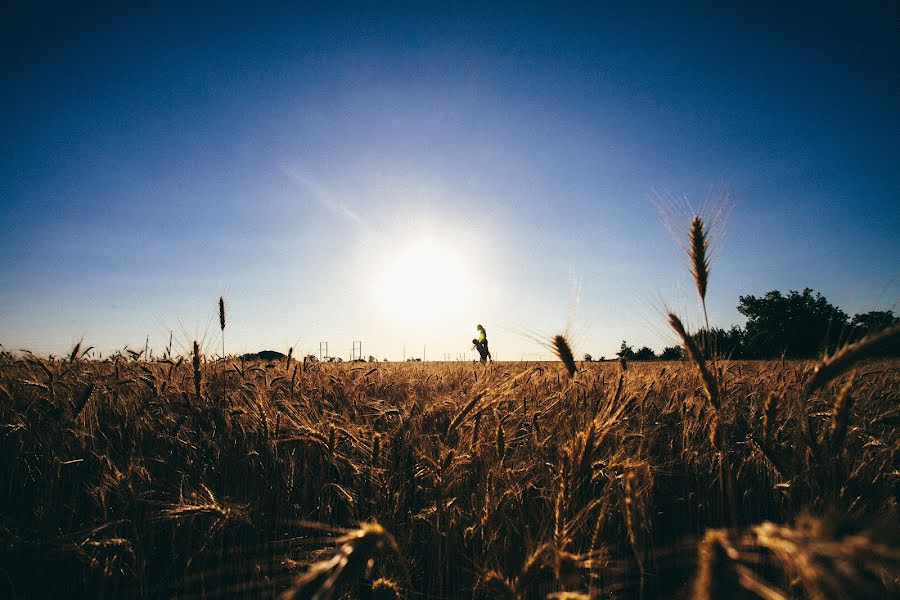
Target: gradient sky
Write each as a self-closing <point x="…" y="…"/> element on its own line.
<point x="395" y="176"/>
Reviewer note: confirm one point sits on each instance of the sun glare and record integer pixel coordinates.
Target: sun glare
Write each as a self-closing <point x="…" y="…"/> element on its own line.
<point x="424" y="279"/>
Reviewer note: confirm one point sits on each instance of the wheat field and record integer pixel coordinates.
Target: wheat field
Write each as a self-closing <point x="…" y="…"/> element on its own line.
<point x="126" y="478"/>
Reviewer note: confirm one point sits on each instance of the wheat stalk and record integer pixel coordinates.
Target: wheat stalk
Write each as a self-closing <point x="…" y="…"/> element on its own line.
<point x="222" y="327"/>
<point x="564" y="352"/>
<point x="357" y="549"/>
<point x="698" y="248"/>
<point x="73" y="356"/>
<point x="710" y="385"/>
<point x="83" y="399"/>
<point x="198" y="378"/>
<point x="461" y="415"/>
<point x="840" y="417"/>
<point x="850" y="354"/>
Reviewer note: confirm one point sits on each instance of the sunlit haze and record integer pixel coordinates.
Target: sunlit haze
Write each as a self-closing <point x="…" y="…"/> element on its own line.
<point x="395" y="176"/>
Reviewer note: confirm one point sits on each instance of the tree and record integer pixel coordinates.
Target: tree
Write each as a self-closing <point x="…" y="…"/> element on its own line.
<point x="588" y="357"/>
<point x="799" y="325"/>
<point x="644" y="353"/>
<point x="672" y="353"/>
<point x="625" y="351"/>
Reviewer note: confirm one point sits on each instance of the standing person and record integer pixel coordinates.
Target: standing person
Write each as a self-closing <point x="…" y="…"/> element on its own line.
<point x="483" y="343"/>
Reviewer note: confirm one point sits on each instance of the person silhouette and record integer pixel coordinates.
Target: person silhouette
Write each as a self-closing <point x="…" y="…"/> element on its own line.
<point x="482" y="351"/>
<point x="481" y="344"/>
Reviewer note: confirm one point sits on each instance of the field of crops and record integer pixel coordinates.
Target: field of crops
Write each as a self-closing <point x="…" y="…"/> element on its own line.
<point x="126" y="478"/>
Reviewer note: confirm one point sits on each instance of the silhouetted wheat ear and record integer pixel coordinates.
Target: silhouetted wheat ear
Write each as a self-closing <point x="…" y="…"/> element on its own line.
<point x="710" y="385"/>
<point x="83" y="399"/>
<point x="564" y="352"/>
<point x="850" y="354"/>
<point x="198" y="378"/>
<point x="222" y="327"/>
<point x="840" y="416"/>
<point x="698" y="250"/>
<point x="461" y="415"/>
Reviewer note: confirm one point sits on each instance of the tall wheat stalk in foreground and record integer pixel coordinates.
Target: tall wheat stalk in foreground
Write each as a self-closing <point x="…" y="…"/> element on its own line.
<point x="697" y="247"/>
<point x="701" y="237"/>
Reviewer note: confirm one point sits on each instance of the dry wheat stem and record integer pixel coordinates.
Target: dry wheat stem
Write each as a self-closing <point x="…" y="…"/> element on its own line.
<point x="849" y="354"/>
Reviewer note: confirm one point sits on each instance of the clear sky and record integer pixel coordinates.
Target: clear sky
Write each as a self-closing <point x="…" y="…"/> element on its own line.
<point x="373" y="172"/>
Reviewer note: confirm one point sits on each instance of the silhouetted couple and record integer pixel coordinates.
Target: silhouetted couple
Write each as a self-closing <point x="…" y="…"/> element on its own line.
<point x="481" y="344"/>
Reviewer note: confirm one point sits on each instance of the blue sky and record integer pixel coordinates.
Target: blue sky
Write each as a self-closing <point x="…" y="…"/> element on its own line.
<point x="378" y="173"/>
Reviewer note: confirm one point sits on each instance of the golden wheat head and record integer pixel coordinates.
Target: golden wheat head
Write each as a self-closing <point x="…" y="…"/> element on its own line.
<point x="698" y="251"/>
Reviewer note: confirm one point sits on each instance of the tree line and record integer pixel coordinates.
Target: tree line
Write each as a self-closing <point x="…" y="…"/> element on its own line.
<point x="796" y="325"/>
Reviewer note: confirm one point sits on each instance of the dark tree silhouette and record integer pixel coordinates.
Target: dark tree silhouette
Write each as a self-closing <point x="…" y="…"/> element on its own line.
<point x="644" y="353"/>
<point x="672" y="353"/>
<point x="799" y="325"/>
<point x="625" y="351"/>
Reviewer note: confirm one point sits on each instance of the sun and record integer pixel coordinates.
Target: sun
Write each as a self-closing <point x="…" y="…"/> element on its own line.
<point x="423" y="279"/>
